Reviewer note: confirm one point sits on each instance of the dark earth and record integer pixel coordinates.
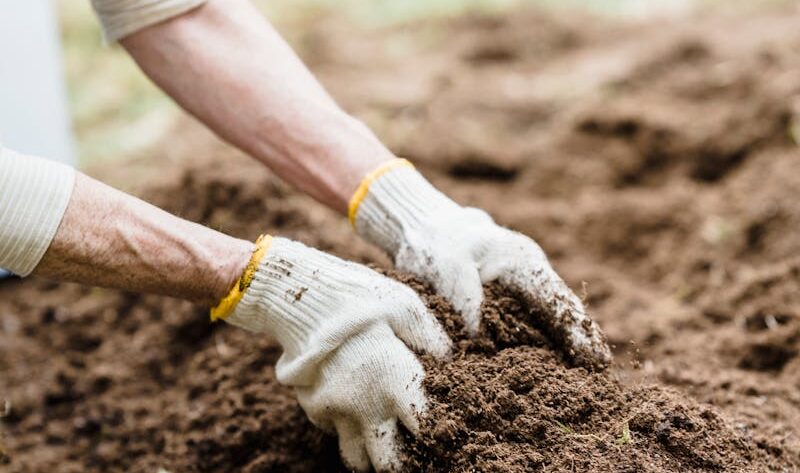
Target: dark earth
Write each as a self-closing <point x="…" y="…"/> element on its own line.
<point x="655" y="162"/>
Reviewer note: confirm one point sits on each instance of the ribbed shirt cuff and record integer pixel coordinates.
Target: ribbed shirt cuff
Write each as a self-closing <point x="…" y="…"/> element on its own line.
<point x="34" y="194"/>
<point x="120" y="18"/>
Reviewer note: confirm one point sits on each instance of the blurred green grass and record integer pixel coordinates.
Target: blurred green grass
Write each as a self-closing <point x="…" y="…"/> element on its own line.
<point x="117" y="111"/>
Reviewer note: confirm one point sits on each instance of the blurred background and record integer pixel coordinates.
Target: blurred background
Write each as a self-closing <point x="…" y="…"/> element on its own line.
<point x="108" y="109"/>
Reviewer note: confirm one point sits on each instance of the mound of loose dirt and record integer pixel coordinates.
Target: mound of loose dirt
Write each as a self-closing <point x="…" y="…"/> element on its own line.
<point x="508" y="403"/>
<point x="656" y="162"/>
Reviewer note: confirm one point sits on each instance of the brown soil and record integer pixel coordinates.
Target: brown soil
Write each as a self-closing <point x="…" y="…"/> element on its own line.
<point x="655" y="162"/>
<point x="507" y="403"/>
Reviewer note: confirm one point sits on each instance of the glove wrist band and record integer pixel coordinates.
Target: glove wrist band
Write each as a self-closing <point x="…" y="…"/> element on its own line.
<point x="229" y="302"/>
<point x="394" y="200"/>
<point x="363" y="188"/>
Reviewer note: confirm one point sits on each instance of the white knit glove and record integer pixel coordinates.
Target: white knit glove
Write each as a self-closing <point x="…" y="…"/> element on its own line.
<point x="457" y="249"/>
<point x="346" y="332"/>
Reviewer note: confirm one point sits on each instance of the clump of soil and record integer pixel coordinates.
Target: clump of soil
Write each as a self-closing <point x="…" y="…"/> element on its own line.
<point x="508" y="403"/>
<point x="656" y="162"/>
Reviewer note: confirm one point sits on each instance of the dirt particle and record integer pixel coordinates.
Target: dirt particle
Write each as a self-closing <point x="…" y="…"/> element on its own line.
<point x="299" y="294"/>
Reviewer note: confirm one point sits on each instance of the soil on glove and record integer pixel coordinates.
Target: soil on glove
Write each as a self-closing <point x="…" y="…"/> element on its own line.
<point x="657" y="165"/>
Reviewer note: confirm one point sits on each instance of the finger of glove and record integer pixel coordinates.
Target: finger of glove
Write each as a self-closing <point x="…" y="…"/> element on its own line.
<point x="460" y="283"/>
<point x="564" y="315"/>
<point x="523" y="267"/>
<point x="313" y="400"/>
<point x="382" y="446"/>
<point x="352" y="445"/>
<point x="418" y="328"/>
<point x="411" y="404"/>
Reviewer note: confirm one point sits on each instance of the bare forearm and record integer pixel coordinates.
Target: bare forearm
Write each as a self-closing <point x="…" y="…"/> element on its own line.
<point x="108" y="238"/>
<point x="225" y="64"/>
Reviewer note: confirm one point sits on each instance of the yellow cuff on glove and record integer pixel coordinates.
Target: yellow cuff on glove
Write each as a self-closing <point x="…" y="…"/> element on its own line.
<point x="229" y="302"/>
<point x="363" y="188"/>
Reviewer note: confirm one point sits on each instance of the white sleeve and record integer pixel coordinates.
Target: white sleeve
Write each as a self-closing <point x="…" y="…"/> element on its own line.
<point x="119" y="18"/>
<point x="34" y="194"/>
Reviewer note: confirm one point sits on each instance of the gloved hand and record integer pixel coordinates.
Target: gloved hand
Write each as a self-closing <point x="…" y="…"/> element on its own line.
<point x="457" y="249"/>
<point x="346" y="332"/>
